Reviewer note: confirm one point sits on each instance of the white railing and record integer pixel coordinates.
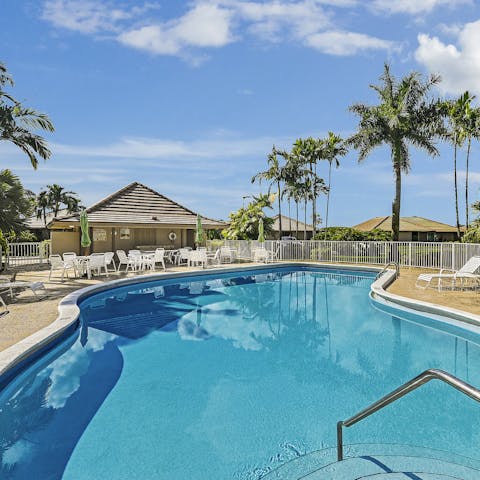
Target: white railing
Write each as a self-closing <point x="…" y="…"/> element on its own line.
<point x="407" y="254"/>
<point x="27" y="253"/>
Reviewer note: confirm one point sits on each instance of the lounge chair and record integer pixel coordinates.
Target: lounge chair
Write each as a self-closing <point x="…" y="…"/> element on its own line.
<point x="56" y="263"/>
<point x="11" y="287"/>
<point x="261" y="255"/>
<point x="467" y="272"/>
<point x="4" y="305"/>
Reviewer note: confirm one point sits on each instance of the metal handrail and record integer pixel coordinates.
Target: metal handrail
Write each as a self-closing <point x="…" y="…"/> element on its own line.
<point x="408" y="387"/>
<point x="385" y="268"/>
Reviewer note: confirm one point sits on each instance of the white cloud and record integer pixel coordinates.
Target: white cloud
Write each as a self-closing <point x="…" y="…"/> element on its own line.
<point x="213" y="24"/>
<point x="89" y="16"/>
<point x="346" y="43"/>
<point x="203" y="26"/>
<point x="414" y="7"/>
<point x="459" y="65"/>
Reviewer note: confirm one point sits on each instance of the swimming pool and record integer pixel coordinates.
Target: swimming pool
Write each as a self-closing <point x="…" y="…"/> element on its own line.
<point x="228" y="376"/>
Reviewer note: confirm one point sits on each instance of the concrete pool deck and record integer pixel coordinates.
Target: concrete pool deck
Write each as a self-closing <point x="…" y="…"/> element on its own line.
<point x="29" y="315"/>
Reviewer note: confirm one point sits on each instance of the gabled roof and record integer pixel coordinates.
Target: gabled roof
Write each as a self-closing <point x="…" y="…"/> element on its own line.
<point x="407" y="224"/>
<point x="139" y="204"/>
<point x="286" y="225"/>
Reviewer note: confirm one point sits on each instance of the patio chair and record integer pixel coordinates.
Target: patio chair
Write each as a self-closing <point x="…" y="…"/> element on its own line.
<point x="467" y="272"/>
<point x="197" y="257"/>
<point x="214" y="258"/>
<point x="69" y="260"/>
<point x="183" y="256"/>
<point x="96" y="262"/>
<point x="11" y="287"/>
<point x="109" y="260"/>
<point x="160" y="257"/>
<point x="56" y="263"/>
<point x="261" y="255"/>
<point x="226" y="255"/>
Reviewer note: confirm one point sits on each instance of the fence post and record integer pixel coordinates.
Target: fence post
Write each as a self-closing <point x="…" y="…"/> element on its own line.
<point x="453" y="256"/>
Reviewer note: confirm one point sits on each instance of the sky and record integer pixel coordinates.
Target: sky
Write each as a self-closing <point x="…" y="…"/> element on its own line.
<point x="189" y="97"/>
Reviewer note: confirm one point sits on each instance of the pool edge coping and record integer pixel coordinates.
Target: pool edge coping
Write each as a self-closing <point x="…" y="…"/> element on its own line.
<point x="68" y="310"/>
<point x="378" y="290"/>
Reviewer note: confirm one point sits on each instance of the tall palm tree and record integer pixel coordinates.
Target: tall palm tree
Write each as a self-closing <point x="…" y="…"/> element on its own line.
<point x="404" y="117"/>
<point x="457" y="113"/>
<point x="17" y="122"/>
<point x="275" y="174"/>
<point x="43" y="205"/>
<point x="333" y="148"/>
<point x="57" y="197"/>
<point x="472" y="130"/>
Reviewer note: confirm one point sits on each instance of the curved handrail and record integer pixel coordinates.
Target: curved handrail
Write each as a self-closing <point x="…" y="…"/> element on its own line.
<point x="384" y="269"/>
<point x="422" y="379"/>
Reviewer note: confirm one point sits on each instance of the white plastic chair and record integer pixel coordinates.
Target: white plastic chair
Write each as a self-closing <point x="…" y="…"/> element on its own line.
<point x="226" y="255"/>
<point x="160" y="257"/>
<point x="466" y="272"/>
<point x="109" y="260"/>
<point x="96" y="262"/>
<point x="56" y="263"/>
<point x="183" y="255"/>
<point x="69" y="260"/>
<point x="261" y="255"/>
<point x="197" y="257"/>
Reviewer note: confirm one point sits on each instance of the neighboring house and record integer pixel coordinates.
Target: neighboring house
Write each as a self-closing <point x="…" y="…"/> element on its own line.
<point x="289" y="228"/>
<point x="37" y="225"/>
<point x="413" y="229"/>
<point x="133" y="217"/>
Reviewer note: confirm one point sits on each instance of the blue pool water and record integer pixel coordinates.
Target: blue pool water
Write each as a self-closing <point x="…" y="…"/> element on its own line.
<point x="226" y="378"/>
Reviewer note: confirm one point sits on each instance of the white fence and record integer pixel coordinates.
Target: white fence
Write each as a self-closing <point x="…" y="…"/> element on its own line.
<point x="26" y="253"/>
<point x="408" y="254"/>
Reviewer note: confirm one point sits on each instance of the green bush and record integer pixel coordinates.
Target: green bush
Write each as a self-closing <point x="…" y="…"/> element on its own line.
<point x="350" y="234"/>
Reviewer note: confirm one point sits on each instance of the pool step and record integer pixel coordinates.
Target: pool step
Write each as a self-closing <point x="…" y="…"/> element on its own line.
<point x="384" y="462"/>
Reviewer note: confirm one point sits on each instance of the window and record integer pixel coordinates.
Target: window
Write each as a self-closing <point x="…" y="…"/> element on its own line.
<point x="99" y="235"/>
<point x="124" y="234"/>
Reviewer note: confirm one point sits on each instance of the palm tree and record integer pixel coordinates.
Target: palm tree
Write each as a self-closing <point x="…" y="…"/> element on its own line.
<point x="16" y="122"/>
<point x="333" y="147"/>
<point x="43" y="204"/>
<point x="457" y="113"/>
<point x="472" y="130"/>
<point x="403" y="118"/>
<point x="275" y="174"/>
<point x="57" y="197"/>
<point x="15" y="202"/>
<point x="307" y="152"/>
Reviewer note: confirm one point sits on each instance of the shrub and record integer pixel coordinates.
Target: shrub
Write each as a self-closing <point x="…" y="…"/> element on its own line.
<point x="350" y="234"/>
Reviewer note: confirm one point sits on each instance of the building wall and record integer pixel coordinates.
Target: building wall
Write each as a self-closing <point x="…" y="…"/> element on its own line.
<point x="65" y="242"/>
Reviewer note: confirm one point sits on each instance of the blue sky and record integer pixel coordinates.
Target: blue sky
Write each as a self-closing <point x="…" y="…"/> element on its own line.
<point x="188" y="97"/>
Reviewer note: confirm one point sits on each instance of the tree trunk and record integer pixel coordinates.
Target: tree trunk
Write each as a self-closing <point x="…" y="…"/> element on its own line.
<point x="397" y="200"/>
<point x="290" y="215"/>
<point x="305" y="218"/>
<point x="279" y="213"/>
<point x="457" y="216"/>
<point x="296" y="206"/>
<point x="466" y="182"/>
<point x="314" y="212"/>
<point x="328" y="197"/>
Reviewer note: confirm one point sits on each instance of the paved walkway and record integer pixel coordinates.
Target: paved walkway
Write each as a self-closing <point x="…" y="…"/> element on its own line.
<point x="27" y="315"/>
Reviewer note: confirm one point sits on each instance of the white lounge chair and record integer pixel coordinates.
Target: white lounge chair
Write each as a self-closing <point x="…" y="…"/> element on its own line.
<point x="261" y="255"/>
<point x="11" y="287"/>
<point x="5" y="311"/>
<point x="467" y="272"/>
<point x="69" y="260"/>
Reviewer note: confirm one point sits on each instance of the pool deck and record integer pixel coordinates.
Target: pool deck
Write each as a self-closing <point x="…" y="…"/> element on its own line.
<point x="28" y="315"/>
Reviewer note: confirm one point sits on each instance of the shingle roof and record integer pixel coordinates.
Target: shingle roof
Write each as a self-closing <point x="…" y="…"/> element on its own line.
<point x="286" y="225"/>
<point x="407" y="224"/>
<point x="35" y="223"/>
<point x="139" y="204"/>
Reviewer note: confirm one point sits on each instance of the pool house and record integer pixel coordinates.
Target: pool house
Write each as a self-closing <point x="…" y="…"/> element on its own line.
<point x="135" y="216"/>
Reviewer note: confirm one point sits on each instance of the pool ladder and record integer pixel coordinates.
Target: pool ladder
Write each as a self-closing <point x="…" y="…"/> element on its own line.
<point x="410" y="386"/>
<point x="385" y="268"/>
